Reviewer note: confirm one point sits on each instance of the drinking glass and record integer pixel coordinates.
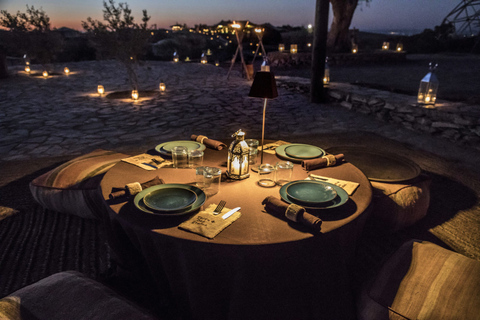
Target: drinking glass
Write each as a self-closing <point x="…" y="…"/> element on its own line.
<point x="266" y="175"/>
<point x="253" y="144"/>
<point x="199" y="179"/>
<point x="195" y="158"/>
<point x="211" y="180"/>
<point x="283" y="172"/>
<point x="180" y="157"/>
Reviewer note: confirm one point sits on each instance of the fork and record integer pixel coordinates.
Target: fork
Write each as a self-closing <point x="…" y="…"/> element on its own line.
<point x="219" y="208"/>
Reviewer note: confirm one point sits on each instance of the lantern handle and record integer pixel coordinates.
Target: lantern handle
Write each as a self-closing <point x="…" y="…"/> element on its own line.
<point x="238" y="133"/>
<point x="432" y="67"/>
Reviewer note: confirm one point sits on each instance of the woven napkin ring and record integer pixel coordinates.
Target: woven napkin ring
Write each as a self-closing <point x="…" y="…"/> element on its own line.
<point x="331" y="160"/>
<point x="293" y="211"/>
<point x="133" y="188"/>
<point x="200" y="138"/>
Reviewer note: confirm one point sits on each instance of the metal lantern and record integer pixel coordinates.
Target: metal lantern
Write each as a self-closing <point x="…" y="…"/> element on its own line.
<point x="162" y="86"/>
<point x="326" y="76"/>
<point x="203" y="59"/>
<point x="135" y="94"/>
<point x="265" y="66"/>
<point x="354" y="48"/>
<point x="175" y="57"/>
<point x="238" y="154"/>
<point x="293" y="48"/>
<point x="27" y="69"/>
<point x="427" y="92"/>
<point x="66" y="70"/>
<point x="100" y="89"/>
<point x="281" y="47"/>
<point x="45" y="74"/>
<point x="386" y="45"/>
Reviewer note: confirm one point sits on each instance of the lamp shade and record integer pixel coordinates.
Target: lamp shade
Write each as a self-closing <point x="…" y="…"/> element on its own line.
<point x="264" y="86"/>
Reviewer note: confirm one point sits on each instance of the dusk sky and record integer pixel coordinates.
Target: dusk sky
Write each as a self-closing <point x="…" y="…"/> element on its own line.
<point x="386" y="15"/>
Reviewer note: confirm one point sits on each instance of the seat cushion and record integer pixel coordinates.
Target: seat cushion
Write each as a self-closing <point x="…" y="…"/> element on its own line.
<point x="72" y="187"/>
<point x="422" y="280"/>
<point x="399" y="205"/>
<point x="68" y="295"/>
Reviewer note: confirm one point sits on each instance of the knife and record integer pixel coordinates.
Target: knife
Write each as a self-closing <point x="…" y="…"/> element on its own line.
<point x="229" y="213"/>
<point x="150" y="165"/>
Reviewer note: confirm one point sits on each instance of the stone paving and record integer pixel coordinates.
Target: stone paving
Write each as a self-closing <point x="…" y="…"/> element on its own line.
<point x="63" y="115"/>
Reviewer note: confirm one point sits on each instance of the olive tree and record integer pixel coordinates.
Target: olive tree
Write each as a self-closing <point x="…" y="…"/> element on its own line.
<point x="119" y="36"/>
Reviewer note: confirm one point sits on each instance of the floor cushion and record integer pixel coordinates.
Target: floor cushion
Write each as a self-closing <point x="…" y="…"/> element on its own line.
<point x="72" y="187"/>
<point x="422" y="280"/>
<point x="399" y="205"/>
<point x="68" y="295"/>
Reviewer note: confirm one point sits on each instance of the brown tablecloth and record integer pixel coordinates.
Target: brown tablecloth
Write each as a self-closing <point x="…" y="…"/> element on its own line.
<point x="261" y="266"/>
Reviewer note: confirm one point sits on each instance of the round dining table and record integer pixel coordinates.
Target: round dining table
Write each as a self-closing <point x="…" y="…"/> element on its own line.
<point x="262" y="266"/>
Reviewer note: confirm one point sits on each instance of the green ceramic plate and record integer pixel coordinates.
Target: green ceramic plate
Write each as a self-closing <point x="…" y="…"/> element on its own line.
<point x="280" y="151"/>
<point x="310" y="193"/>
<point x="303" y="151"/>
<point x="140" y="204"/>
<point x="170" y="199"/>
<point x="166" y="147"/>
<point x="340" y="199"/>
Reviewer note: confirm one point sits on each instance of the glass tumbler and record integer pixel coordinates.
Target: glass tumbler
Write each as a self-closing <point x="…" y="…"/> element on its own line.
<point x="283" y="172"/>
<point x="253" y="145"/>
<point x="180" y="157"/>
<point x="199" y="179"/>
<point x="195" y="158"/>
<point x="266" y="175"/>
<point x="211" y="180"/>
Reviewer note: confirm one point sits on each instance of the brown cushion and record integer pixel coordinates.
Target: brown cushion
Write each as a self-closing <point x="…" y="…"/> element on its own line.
<point x="423" y="281"/>
<point x="68" y="295"/>
<point x="399" y="205"/>
<point x="72" y="187"/>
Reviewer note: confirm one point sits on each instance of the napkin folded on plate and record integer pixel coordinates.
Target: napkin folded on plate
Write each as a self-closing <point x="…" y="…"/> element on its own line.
<point x="293" y="212"/>
<point x="208" y="225"/>
<point x="348" y="186"/>
<point x="328" y="160"/>
<point x="270" y="147"/>
<point x="212" y="144"/>
<point x="133" y="188"/>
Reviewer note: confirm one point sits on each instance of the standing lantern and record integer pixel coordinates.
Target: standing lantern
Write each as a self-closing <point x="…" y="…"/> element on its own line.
<point x="281" y="47"/>
<point x="386" y="45"/>
<point x="427" y="92"/>
<point x="45" y="74"/>
<point x="162" y="86"/>
<point x="326" y="75"/>
<point x="399" y="47"/>
<point x="135" y="94"/>
<point x="293" y="48"/>
<point x="203" y="59"/>
<point x="27" y="69"/>
<point x="354" y="48"/>
<point x="100" y="89"/>
<point x="175" y="57"/>
<point x="67" y="71"/>
<point x="238" y="154"/>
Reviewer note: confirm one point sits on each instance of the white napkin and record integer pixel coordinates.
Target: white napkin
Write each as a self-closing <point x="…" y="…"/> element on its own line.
<point x="270" y="147"/>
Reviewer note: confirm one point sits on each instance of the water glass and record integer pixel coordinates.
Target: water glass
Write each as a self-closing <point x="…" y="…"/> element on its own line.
<point x="195" y="158"/>
<point x="180" y="157"/>
<point x="266" y="175"/>
<point x="253" y="144"/>
<point x="199" y="179"/>
<point x="283" y="172"/>
<point x="211" y="180"/>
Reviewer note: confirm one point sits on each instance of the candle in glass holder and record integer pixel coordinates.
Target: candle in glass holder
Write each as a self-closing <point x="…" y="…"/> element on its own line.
<point x="45" y="74"/>
<point x="135" y="94"/>
<point x="100" y="89"/>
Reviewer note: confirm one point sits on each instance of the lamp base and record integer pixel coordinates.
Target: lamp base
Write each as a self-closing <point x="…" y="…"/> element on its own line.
<point x="237" y="177"/>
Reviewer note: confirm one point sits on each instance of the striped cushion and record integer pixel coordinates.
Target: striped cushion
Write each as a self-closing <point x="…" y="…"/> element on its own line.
<point x="72" y="187"/>
<point x="423" y="281"/>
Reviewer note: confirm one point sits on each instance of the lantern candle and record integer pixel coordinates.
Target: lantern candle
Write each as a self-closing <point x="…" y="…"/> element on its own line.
<point x="281" y="47"/>
<point x="293" y="48"/>
<point x="326" y="76"/>
<point x="135" y="94"/>
<point x="238" y="155"/>
<point x="175" y="57"/>
<point x="27" y="69"/>
<point x="66" y="70"/>
<point x="399" y="47"/>
<point x="203" y="59"/>
<point x="162" y="86"/>
<point x="100" y="89"/>
<point x="386" y="45"/>
<point x="45" y="74"/>
<point x="354" y="48"/>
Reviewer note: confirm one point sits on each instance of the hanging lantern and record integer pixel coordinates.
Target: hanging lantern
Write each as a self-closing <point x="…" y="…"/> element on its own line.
<point x="135" y="94"/>
<point x="399" y="47"/>
<point x="238" y="154"/>
<point x="100" y="89"/>
<point x="386" y="45"/>
<point x="354" y="48"/>
<point x="45" y="74"/>
<point x="162" y="86"/>
<point x="326" y="76"/>
<point x="293" y="48"/>
<point x="27" y="69"/>
<point x="281" y="47"/>
<point x="203" y="59"/>
<point x="427" y="92"/>
<point x="66" y="70"/>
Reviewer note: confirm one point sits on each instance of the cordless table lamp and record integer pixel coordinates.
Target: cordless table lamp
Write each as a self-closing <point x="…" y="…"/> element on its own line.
<point x="264" y="86"/>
